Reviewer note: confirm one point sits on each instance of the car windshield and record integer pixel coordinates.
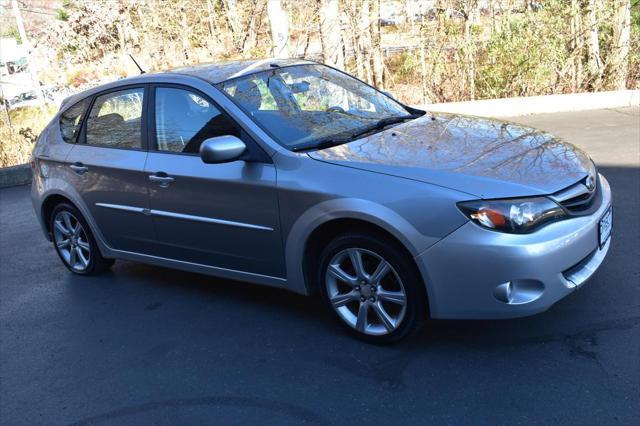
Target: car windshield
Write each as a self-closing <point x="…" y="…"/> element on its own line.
<point x="312" y="106"/>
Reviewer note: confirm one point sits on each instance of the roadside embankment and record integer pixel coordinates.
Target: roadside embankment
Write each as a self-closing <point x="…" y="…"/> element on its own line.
<point x="513" y="107"/>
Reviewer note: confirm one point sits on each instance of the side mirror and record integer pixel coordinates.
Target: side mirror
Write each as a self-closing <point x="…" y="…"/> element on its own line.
<point x="221" y="149"/>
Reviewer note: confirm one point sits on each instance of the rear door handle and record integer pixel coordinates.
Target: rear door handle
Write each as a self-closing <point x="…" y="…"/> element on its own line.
<point x="161" y="178"/>
<point x="79" y="168"/>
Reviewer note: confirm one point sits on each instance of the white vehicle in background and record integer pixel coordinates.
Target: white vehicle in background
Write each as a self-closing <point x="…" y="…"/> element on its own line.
<point x="25" y="99"/>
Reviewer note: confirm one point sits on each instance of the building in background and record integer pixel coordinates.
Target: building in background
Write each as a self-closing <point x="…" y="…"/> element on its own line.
<point x="15" y="79"/>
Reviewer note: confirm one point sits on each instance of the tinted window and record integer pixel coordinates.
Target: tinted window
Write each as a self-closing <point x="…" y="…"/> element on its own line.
<point x="70" y="121"/>
<point x="115" y="120"/>
<point x="303" y="105"/>
<point x="184" y="119"/>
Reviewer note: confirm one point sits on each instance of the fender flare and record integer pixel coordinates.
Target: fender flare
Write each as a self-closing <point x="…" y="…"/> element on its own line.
<point x="72" y="195"/>
<point x="345" y="208"/>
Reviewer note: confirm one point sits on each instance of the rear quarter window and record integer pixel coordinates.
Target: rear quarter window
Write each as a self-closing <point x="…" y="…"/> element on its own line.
<point x="70" y="121"/>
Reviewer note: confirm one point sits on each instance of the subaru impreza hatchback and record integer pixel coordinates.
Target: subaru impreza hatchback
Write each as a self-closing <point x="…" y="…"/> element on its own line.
<point x="295" y="175"/>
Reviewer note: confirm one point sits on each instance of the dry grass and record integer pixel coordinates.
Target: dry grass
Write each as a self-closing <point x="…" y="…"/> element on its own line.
<point x="18" y="139"/>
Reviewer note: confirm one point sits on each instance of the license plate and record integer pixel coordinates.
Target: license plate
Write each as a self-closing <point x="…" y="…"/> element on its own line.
<point x="605" y="226"/>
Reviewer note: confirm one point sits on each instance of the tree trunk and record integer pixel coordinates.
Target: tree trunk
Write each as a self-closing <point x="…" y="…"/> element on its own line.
<point x="211" y="24"/>
<point x="618" y="60"/>
<point x="354" y="32"/>
<point x="594" y="62"/>
<point x="376" y="48"/>
<point x="423" y="62"/>
<point x="186" y="45"/>
<point x="364" y="32"/>
<point x="250" y="32"/>
<point x="576" y="47"/>
<point x="469" y="18"/>
<point x="233" y="20"/>
<point x="279" y="20"/>
<point x="330" y="38"/>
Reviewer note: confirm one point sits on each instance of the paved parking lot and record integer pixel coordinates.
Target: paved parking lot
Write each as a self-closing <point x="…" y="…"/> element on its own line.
<point x="147" y="345"/>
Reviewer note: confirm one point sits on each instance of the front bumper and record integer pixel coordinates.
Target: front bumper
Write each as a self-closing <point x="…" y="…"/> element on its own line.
<point x="476" y="273"/>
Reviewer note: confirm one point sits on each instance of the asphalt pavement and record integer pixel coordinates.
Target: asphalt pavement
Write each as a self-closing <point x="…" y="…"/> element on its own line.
<point x="148" y="345"/>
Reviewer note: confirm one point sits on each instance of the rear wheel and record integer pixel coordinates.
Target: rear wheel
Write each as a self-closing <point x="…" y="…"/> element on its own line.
<point x="373" y="289"/>
<point x="74" y="242"/>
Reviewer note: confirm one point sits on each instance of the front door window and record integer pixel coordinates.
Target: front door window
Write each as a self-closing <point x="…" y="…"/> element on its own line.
<point x="185" y="119"/>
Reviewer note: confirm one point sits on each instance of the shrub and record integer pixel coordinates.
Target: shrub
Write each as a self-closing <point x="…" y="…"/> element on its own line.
<point x="18" y="140"/>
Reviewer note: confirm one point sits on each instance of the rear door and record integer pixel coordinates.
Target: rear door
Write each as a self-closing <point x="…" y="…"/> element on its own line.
<point x="221" y="215"/>
<point x="107" y="167"/>
<point x="56" y="142"/>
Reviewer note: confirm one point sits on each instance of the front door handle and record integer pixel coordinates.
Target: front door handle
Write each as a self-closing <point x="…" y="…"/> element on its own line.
<point x="161" y="178"/>
<point x="79" y="168"/>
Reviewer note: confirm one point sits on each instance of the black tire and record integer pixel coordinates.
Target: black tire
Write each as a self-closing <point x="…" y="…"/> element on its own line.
<point x="416" y="305"/>
<point x="97" y="264"/>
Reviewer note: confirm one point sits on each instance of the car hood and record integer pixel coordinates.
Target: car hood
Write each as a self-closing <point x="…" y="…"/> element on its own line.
<point x="482" y="157"/>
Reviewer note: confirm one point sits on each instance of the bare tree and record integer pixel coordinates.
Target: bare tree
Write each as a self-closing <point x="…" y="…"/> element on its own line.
<point x="594" y="61"/>
<point x="575" y="46"/>
<point x="232" y="16"/>
<point x="617" y="61"/>
<point x="376" y="48"/>
<point x="362" y="28"/>
<point x="423" y="62"/>
<point x="330" y="33"/>
<point x="567" y="46"/>
<point x="279" y="20"/>
<point x="469" y="11"/>
<point x="364" y="38"/>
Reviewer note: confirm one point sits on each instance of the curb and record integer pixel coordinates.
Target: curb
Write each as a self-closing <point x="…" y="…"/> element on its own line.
<point x="15" y="175"/>
<point x="511" y="107"/>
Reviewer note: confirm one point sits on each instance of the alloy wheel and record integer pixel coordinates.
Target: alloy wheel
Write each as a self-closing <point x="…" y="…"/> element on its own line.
<point x="366" y="291"/>
<point x="71" y="240"/>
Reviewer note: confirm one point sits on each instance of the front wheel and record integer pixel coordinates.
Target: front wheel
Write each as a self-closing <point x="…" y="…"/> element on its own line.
<point x="75" y="243"/>
<point x="374" y="290"/>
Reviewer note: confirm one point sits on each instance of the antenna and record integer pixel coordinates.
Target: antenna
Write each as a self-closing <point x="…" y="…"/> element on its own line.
<point x="137" y="65"/>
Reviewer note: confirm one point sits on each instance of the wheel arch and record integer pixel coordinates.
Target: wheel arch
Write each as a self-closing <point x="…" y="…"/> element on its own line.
<point x="327" y="231"/>
<point x="50" y="203"/>
<point x="326" y="220"/>
<point x="53" y="197"/>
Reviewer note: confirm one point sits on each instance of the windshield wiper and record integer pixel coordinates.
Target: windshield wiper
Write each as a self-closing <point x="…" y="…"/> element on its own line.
<point x="333" y="141"/>
<point x="321" y="144"/>
<point x="381" y="124"/>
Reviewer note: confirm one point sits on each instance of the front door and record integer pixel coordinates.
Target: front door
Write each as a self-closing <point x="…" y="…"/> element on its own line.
<point x="106" y="167"/>
<point x="221" y="215"/>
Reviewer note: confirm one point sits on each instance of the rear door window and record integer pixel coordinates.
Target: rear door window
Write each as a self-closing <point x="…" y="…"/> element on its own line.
<point x="70" y="121"/>
<point x="115" y="120"/>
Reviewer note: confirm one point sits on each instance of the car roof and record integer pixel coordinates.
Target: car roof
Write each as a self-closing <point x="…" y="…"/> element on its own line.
<point x="211" y="72"/>
<point x="222" y="71"/>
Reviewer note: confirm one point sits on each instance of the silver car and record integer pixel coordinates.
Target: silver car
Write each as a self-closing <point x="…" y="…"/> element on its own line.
<point x="295" y="175"/>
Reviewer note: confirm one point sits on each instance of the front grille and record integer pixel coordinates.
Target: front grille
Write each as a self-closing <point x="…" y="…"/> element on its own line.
<point x="580" y="203"/>
<point x="578" y="200"/>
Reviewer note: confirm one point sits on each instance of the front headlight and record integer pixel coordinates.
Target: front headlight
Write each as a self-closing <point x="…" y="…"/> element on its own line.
<point x="518" y="215"/>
